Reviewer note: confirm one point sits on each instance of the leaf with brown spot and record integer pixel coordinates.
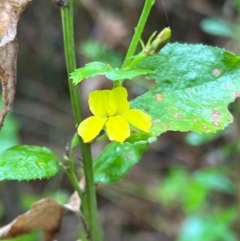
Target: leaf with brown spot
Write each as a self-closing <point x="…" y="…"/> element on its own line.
<point x="117" y="159"/>
<point x="45" y="215"/>
<point x="197" y="83"/>
<point x="10" y="11"/>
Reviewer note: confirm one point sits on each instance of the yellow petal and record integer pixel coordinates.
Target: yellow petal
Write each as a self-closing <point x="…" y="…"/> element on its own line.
<point x="117" y="129"/>
<point x="115" y="101"/>
<point x="106" y="103"/>
<point x="120" y="97"/>
<point x="111" y="104"/>
<point x="102" y="103"/>
<point x="97" y="100"/>
<point x="91" y="127"/>
<point x="139" y="119"/>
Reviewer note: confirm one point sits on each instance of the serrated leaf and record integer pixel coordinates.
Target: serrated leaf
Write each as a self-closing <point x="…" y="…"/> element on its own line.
<point x="27" y="163"/>
<point x="194" y="85"/>
<point x="117" y="159"/>
<point x="99" y="68"/>
<point x="90" y="70"/>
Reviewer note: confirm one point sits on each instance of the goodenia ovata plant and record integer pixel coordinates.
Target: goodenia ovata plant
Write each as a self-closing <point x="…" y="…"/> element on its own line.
<point x="194" y="85"/>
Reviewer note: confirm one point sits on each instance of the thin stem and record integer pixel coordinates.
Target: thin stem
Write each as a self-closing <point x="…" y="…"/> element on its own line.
<point x="137" y="36"/>
<point x="138" y="32"/>
<point x="75" y="184"/>
<point x="69" y="46"/>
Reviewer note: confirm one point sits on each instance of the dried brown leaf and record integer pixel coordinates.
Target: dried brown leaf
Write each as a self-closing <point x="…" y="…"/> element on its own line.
<point x="45" y="215"/>
<point x="10" y="11"/>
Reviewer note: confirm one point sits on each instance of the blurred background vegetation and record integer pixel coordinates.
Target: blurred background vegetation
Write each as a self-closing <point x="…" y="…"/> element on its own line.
<point x="187" y="187"/>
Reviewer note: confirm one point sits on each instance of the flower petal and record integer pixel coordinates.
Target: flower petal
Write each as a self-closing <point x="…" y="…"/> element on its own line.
<point x="139" y="119"/>
<point x="120" y="97"/>
<point x="106" y="103"/>
<point x="117" y="129"/>
<point x="111" y="104"/>
<point x="96" y="101"/>
<point x="91" y="127"/>
<point x="102" y="103"/>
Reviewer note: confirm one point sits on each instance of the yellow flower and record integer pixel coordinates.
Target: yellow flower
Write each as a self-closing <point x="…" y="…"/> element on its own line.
<point x="111" y="110"/>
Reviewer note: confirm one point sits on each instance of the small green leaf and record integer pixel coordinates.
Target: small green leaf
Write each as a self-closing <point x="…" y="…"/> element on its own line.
<point x="28" y="163"/>
<point x="90" y="70"/>
<point x="194" y="85"/>
<point x="99" y="68"/>
<point x="117" y="159"/>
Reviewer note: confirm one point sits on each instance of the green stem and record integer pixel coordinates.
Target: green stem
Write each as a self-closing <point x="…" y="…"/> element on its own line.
<point x="137" y="36"/>
<point x="75" y="184"/>
<point x="138" y="32"/>
<point x="69" y="47"/>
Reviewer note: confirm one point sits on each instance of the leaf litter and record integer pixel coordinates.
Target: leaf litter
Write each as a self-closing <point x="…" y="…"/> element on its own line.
<point x="10" y="11"/>
<point x="45" y="215"/>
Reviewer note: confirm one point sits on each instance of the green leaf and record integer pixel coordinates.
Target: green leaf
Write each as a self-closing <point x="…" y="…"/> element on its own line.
<point x="219" y="27"/>
<point x="199" y="228"/>
<point x="117" y="159"/>
<point x="227" y="216"/>
<point x="194" y="198"/>
<point x="99" y="68"/>
<point x="173" y="187"/>
<point x="34" y="235"/>
<point x="28" y="163"/>
<point x="213" y="180"/>
<point x="194" y="85"/>
<point x="90" y="70"/>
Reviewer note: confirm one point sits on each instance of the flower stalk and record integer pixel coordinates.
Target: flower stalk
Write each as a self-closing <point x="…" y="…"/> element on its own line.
<point x="91" y="212"/>
<point x="137" y="36"/>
